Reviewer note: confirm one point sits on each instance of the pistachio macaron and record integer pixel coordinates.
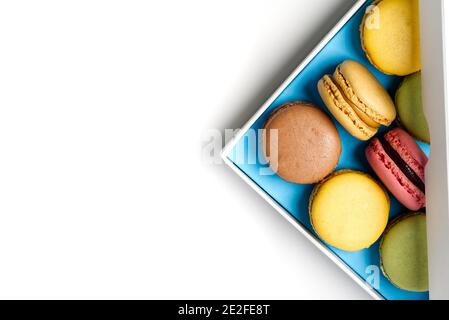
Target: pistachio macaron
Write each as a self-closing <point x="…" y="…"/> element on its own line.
<point x="349" y="210"/>
<point x="357" y="100"/>
<point x="403" y="253"/>
<point x="390" y="36"/>
<point x="410" y="108"/>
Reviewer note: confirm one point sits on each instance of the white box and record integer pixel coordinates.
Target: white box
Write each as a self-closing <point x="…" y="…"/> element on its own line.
<point x="437" y="188"/>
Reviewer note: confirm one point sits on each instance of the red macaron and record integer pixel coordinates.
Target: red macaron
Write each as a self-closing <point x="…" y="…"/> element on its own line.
<point x="399" y="162"/>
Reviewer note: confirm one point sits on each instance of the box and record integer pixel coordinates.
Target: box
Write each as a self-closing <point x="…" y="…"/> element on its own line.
<point x="242" y="154"/>
<point x="434" y="34"/>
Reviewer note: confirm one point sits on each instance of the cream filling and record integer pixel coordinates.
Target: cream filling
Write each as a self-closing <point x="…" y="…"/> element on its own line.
<point x="376" y="117"/>
<point x="344" y="106"/>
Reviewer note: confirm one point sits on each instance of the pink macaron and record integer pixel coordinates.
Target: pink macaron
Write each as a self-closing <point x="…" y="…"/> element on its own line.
<point x="399" y="162"/>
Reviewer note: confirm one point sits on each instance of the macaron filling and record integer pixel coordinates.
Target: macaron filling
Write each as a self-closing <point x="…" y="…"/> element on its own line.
<point x="342" y="103"/>
<point x="370" y="117"/>
<point x="410" y="174"/>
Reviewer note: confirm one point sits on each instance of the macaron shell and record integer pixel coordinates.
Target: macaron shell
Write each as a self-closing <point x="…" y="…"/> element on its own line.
<point x="391" y="38"/>
<point x="409" y="151"/>
<point x="308" y="145"/>
<point x="403" y="253"/>
<point x="349" y="210"/>
<point x="393" y="178"/>
<point x="342" y="110"/>
<point x="363" y="89"/>
<point x="410" y="108"/>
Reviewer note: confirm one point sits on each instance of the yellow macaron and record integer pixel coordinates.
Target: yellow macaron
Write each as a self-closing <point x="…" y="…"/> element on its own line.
<point x="349" y="210"/>
<point x="390" y="34"/>
<point x="357" y="100"/>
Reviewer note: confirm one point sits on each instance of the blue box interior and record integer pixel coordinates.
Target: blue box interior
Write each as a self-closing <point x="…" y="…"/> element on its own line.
<point x="295" y="198"/>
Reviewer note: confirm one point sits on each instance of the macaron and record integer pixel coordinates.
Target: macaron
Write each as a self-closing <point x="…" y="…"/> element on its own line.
<point x="357" y="100"/>
<point x="403" y="253"/>
<point x="301" y="143"/>
<point x="390" y="34"/>
<point x="410" y="108"/>
<point x="400" y="163"/>
<point x="349" y="210"/>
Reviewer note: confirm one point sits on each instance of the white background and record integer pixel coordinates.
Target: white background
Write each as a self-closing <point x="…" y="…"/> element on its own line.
<point x="103" y="190"/>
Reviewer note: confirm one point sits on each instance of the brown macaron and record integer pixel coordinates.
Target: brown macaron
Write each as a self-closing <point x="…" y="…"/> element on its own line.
<point x="301" y="143"/>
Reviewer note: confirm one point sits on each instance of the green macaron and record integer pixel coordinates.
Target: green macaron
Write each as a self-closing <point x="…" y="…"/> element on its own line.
<point x="403" y="253"/>
<point x="410" y="108"/>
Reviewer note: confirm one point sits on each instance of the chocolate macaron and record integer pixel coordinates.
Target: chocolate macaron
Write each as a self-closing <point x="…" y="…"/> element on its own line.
<point x="301" y="143"/>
